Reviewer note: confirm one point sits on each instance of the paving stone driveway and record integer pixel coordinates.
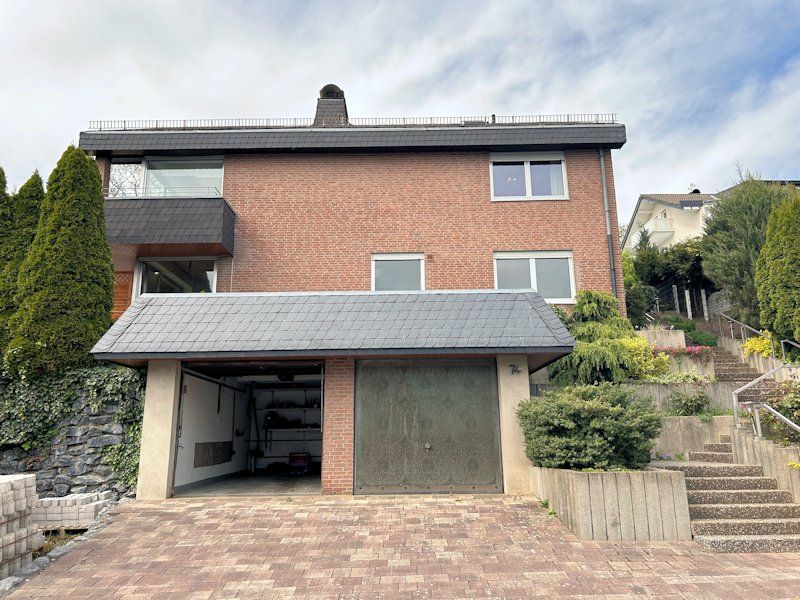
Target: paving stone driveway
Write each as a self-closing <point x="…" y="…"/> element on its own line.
<point x="387" y="547"/>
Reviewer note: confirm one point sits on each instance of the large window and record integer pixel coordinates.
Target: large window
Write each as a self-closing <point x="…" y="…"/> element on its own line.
<point x="167" y="276"/>
<point x="539" y="176"/>
<point x="549" y="273"/>
<point x="398" y="272"/>
<point x="196" y="177"/>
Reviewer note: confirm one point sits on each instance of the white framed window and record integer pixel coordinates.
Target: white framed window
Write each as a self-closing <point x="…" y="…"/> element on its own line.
<point x="159" y="176"/>
<point x="549" y="273"/>
<point x="528" y="176"/>
<point x="185" y="275"/>
<point x="398" y="272"/>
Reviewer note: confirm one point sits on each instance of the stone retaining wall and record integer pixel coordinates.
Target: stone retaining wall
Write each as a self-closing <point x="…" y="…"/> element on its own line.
<point x="74" y="463"/>
<point x="634" y="505"/>
<point x="19" y="536"/>
<point x="720" y="392"/>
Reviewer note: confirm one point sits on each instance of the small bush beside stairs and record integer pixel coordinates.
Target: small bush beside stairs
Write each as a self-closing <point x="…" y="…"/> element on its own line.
<point x="734" y="507"/>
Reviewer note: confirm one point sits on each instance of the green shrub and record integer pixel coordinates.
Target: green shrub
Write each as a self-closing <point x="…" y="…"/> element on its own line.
<point x="777" y="272"/>
<point x="606" y="347"/>
<point x="25" y="218"/>
<point x="691" y="376"/>
<point x="689" y="404"/>
<point x="786" y="402"/>
<point x="66" y="281"/>
<point x="758" y="345"/>
<point x="736" y="230"/>
<point x="589" y="427"/>
<point x="702" y="338"/>
<point x="681" y="323"/>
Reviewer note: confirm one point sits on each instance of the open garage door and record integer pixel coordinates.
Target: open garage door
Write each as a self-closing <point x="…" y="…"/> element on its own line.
<point x="427" y="426"/>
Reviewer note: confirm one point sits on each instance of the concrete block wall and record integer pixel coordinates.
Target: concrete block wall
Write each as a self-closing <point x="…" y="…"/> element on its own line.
<point x="720" y="392"/>
<point x="748" y="449"/>
<point x="76" y="511"/>
<point x="664" y="338"/>
<point x="689" y="434"/>
<point x="19" y="535"/>
<point x="631" y="506"/>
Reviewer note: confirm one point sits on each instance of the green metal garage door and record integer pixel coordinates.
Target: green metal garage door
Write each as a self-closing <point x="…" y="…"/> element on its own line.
<point x="427" y="426"/>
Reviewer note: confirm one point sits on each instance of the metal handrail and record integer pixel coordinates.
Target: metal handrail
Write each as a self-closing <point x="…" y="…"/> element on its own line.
<point x="783" y="348"/>
<point x="756" y="406"/>
<point x="746" y="387"/>
<point x="292" y="122"/>
<point x="742" y="328"/>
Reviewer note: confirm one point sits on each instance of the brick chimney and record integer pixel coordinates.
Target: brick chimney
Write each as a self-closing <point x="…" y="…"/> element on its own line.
<point x="331" y="107"/>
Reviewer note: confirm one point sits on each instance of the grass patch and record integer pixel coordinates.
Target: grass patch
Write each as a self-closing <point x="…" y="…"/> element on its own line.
<point x="53" y="540"/>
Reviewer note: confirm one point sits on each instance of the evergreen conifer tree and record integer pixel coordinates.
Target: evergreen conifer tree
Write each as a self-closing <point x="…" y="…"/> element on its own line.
<point x="65" y="283"/>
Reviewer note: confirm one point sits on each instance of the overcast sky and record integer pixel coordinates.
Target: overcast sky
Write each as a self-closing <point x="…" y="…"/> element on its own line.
<point x="700" y="85"/>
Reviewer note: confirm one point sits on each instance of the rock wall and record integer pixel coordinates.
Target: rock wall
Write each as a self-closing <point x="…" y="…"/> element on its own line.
<point x="73" y="463"/>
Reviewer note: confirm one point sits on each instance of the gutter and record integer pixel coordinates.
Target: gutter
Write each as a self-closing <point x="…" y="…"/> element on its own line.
<point x="608" y="223"/>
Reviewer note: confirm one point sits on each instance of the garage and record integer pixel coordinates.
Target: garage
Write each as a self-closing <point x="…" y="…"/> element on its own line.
<point x="427" y="427"/>
<point x="249" y="429"/>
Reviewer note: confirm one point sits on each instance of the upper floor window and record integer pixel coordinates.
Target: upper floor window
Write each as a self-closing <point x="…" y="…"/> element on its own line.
<point x="398" y="272"/>
<point x="532" y="176"/>
<point x="549" y="273"/>
<point x="183" y="276"/>
<point x="166" y="176"/>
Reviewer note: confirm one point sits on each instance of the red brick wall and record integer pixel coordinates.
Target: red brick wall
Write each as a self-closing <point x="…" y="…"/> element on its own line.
<point x="338" y="431"/>
<point x="311" y="222"/>
<point x="123" y="288"/>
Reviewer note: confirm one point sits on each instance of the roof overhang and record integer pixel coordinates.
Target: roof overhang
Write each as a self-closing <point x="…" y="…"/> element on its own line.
<point x="308" y="326"/>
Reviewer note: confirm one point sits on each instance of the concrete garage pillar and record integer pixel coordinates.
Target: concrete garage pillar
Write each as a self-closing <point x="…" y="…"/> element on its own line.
<point x="157" y="456"/>
<point x="513" y="386"/>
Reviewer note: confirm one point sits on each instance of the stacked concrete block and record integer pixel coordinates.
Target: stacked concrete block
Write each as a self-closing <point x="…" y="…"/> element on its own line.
<point x="76" y="511"/>
<point x="19" y="535"/>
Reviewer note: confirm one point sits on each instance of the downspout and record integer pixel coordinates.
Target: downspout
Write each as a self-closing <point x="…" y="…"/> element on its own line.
<point x="608" y="224"/>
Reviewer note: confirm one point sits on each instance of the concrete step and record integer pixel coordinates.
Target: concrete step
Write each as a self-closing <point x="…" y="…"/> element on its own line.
<point x="745" y="526"/>
<point x="725" y="439"/>
<point x="750" y="543"/>
<point x="738" y="496"/>
<point x="715" y="457"/>
<point x="718" y="447"/>
<point x="744" y="511"/>
<point x="702" y="469"/>
<point x="731" y="483"/>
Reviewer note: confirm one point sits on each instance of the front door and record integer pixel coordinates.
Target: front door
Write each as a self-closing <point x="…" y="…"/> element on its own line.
<point x="427" y="426"/>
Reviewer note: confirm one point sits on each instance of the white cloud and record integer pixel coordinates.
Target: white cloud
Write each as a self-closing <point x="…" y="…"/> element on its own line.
<point x="698" y="88"/>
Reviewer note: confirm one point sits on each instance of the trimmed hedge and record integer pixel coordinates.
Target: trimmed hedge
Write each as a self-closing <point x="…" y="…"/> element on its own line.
<point x="589" y="427"/>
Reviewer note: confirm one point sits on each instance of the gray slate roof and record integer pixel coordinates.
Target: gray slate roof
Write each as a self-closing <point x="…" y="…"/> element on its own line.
<point x="265" y="324"/>
<point x="354" y="138"/>
<point x="170" y="221"/>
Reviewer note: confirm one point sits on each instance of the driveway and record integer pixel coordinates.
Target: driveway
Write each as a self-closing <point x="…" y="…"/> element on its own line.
<point x="387" y="547"/>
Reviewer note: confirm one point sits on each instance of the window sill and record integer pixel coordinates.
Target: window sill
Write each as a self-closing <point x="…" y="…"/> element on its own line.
<point x="528" y="198"/>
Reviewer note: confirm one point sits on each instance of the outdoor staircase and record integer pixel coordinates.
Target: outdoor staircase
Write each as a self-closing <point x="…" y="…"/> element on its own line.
<point x="734" y="507"/>
<point x="728" y="367"/>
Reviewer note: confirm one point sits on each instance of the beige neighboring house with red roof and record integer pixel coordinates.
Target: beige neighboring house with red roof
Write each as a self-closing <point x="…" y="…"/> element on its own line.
<point x="670" y="218"/>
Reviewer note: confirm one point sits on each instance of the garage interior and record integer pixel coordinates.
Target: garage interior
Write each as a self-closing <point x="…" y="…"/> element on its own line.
<point x="249" y="429"/>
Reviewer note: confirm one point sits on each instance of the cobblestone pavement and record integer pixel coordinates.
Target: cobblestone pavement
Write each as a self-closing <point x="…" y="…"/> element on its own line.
<point x="387" y="547"/>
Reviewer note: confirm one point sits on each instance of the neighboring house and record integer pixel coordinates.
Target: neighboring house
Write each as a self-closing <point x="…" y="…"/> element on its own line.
<point x="368" y="294"/>
<point x="669" y="218"/>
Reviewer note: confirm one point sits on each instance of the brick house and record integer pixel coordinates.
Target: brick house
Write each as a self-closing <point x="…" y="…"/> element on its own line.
<point x="348" y="305"/>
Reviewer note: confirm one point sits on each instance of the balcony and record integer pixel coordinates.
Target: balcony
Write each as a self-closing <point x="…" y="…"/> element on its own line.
<point x="171" y="221"/>
<point x="660" y="229"/>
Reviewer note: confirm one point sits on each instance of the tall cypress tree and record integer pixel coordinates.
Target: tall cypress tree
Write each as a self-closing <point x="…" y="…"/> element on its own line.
<point x="5" y="219"/>
<point x="25" y="207"/>
<point x="65" y="283"/>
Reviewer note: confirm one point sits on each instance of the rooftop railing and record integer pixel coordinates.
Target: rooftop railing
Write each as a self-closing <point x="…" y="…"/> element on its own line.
<point x="284" y="123"/>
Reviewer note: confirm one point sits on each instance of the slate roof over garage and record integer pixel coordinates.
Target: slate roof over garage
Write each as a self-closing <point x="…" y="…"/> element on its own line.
<point x="354" y="138"/>
<point x="293" y="324"/>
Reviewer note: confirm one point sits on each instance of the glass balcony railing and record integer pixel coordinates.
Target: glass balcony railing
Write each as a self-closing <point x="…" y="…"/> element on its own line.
<point x="660" y="224"/>
<point x="164" y="192"/>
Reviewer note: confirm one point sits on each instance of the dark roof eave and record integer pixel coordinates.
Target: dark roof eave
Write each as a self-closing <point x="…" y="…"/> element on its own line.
<point x="144" y="356"/>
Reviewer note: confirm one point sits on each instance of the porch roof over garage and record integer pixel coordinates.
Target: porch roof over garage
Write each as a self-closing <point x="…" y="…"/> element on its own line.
<point x="253" y="325"/>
